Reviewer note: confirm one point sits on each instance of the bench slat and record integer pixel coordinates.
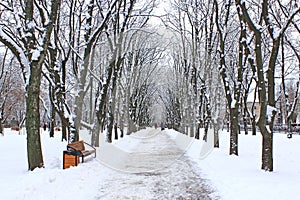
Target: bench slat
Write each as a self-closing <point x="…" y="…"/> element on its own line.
<point x="77" y="145"/>
<point x="88" y="152"/>
<point x="79" y="148"/>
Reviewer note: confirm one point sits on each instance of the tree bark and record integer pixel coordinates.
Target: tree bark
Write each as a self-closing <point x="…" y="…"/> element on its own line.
<point x="34" y="150"/>
<point x="52" y="124"/>
<point x="1" y="127"/>
<point x="197" y="135"/>
<point x="253" y="124"/>
<point x="116" y="131"/>
<point x="95" y="135"/>
<point x="234" y="131"/>
<point x="267" y="152"/>
<point x="216" y="135"/>
<point x="245" y="121"/>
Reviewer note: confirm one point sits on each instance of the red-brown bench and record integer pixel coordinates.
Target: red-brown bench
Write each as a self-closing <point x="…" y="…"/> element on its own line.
<point x="78" y="149"/>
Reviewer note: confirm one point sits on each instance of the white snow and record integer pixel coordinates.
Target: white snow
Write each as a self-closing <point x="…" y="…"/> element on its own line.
<point x="233" y="177"/>
<point x="31" y="25"/>
<point x="240" y="177"/>
<point x="233" y="101"/>
<point x="36" y="53"/>
<point x="270" y="110"/>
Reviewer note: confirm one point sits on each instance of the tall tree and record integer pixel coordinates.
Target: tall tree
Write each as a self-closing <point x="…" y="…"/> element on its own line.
<point x="29" y="44"/>
<point x="266" y="85"/>
<point x="232" y="83"/>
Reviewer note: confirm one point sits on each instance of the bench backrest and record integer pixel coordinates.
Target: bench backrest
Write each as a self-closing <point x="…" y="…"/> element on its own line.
<point x="77" y="145"/>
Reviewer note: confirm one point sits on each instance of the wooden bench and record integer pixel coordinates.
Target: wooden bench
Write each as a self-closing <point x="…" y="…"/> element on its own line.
<point x="78" y="149"/>
<point x="15" y="128"/>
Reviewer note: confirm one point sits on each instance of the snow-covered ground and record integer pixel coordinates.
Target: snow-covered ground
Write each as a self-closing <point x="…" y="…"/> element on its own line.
<point x="240" y="177"/>
<point x="233" y="177"/>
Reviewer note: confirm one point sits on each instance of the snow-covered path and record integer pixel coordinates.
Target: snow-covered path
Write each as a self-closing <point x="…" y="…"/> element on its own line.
<point x="154" y="169"/>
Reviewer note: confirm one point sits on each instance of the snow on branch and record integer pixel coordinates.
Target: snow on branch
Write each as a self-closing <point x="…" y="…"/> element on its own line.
<point x="36" y="53"/>
<point x="254" y="27"/>
<point x="43" y="13"/>
<point x="95" y="76"/>
<point x="16" y="50"/>
<point x="103" y="24"/>
<point x="47" y="76"/>
<point x="45" y="107"/>
<point x="87" y="125"/>
<point x="72" y="48"/>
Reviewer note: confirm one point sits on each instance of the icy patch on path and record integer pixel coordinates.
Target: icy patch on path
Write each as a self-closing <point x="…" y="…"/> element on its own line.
<point x="155" y="169"/>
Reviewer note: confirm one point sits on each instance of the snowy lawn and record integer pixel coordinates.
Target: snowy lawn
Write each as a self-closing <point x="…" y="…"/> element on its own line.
<point x="51" y="182"/>
<point x="240" y="177"/>
<point x="234" y="177"/>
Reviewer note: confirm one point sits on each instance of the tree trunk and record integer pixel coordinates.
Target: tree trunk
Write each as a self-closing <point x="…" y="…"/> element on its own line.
<point x="205" y="131"/>
<point x="234" y="131"/>
<point x="1" y="127"/>
<point x="267" y="151"/>
<point x="52" y="122"/>
<point x="122" y="133"/>
<point x="216" y="135"/>
<point x="110" y="127"/>
<point x="78" y="111"/>
<point x="95" y="135"/>
<point x="64" y="128"/>
<point x="197" y="135"/>
<point x="253" y="124"/>
<point x="207" y="120"/>
<point x="34" y="150"/>
<point x="130" y="123"/>
<point x="116" y="131"/>
<point x="104" y="91"/>
<point x="245" y="122"/>
<point x="191" y="117"/>
<point x="122" y="118"/>
<point x="1" y="120"/>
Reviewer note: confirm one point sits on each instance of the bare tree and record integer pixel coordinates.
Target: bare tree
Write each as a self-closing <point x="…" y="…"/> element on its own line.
<point x="266" y="85"/>
<point x="29" y="43"/>
<point x="232" y="79"/>
<point x="5" y="87"/>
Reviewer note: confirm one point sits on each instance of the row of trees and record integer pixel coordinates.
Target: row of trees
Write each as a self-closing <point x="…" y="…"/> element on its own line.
<point x="95" y="64"/>
<point x="233" y="49"/>
<point x="11" y="92"/>
<point x="97" y="59"/>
